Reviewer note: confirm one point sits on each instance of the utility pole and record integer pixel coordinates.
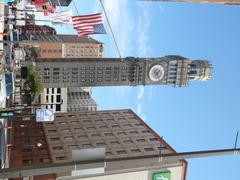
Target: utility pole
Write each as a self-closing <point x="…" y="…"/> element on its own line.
<point x="169" y="160"/>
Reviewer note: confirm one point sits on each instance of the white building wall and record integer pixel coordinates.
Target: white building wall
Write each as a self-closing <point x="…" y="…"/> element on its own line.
<point x="176" y="174"/>
<point x="50" y="99"/>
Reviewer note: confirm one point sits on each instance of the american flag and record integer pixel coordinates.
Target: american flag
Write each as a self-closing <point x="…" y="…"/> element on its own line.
<point x="88" y="24"/>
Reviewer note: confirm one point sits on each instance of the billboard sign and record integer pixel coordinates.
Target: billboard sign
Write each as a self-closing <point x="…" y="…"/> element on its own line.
<point x="44" y="115"/>
<point x="161" y="176"/>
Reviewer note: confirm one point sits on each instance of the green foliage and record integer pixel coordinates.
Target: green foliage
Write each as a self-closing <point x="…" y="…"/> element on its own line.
<point x="15" y="2"/>
<point x="32" y="84"/>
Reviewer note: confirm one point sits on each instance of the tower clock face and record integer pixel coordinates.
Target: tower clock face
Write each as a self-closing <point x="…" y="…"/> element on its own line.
<point x="156" y="72"/>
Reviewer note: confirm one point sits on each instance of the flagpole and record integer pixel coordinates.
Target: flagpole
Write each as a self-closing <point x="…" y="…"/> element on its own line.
<point x="110" y="27"/>
<point x="75" y="7"/>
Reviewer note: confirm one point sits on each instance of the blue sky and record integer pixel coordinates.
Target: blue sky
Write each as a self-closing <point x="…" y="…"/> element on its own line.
<point x="204" y="115"/>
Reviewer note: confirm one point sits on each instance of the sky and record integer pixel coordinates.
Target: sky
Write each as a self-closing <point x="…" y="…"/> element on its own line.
<point x="202" y="116"/>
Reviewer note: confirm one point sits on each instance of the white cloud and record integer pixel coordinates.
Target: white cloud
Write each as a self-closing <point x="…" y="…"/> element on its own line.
<point x="121" y="21"/>
<point x="144" y="23"/>
<point x="141" y="92"/>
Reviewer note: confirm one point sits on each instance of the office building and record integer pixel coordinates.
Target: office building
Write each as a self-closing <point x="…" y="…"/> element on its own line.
<point x="80" y="99"/>
<point x="122" y="134"/>
<point x="36" y="29"/>
<point x="68" y="99"/>
<point x="63" y="46"/>
<point x="176" y="71"/>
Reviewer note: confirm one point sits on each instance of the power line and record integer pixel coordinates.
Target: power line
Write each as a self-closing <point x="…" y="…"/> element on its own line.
<point x="110" y="27"/>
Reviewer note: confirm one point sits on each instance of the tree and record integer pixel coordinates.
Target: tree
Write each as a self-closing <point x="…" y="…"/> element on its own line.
<point x="32" y="85"/>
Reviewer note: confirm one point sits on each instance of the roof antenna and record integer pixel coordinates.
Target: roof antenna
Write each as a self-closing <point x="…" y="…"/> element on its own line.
<point x="235" y="146"/>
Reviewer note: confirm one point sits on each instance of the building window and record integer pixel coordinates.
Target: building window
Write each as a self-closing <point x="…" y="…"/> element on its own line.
<point x="133" y="132"/>
<point x="72" y="147"/>
<point x="91" y="128"/>
<point x="127" y="141"/>
<point x="59" y="90"/>
<point x="115" y="126"/>
<point x="110" y="120"/>
<point x="62" y="123"/>
<point x="52" y="130"/>
<point x="121" y="133"/>
<point x="68" y="138"/>
<point x="138" y="125"/>
<point x="148" y="149"/>
<point x="52" y="98"/>
<point x="52" y="90"/>
<point x="60" y="158"/>
<point x="71" y="115"/>
<point x="145" y="131"/>
<point x="98" y="120"/>
<point x="58" y="98"/>
<point x="101" y="144"/>
<point x="135" y="150"/>
<point x="115" y="142"/>
<point x="87" y="146"/>
<point x="74" y="122"/>
<point x="86" y="121"/>
<point x="65" y="130"/>
<point x="96" y="135"/>
<point x="127" y="125"/>
<point x="103" y="127"/>
<point x="108" y="153"/>
<point x="108" y="134"/>
<point x="58" y="107"/>
<point x="153" y="139"/>
<point x="120" y="152"/>
<point x="47" y="91"/>
<point x="27" y="161"/>
<point x="83" y="137"/>
<point x="54" y="139"/>
<point x="57" y="148"/>
<point x="45" y="160"/>
<point x="26" y="150"/>
<point x="78" y="129"/>
<point x="141" y="140"/>
<point x="121" y="119"/>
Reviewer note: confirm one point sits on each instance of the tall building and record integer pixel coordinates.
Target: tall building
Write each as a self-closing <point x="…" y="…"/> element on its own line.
<point x="37" y="29"/>
<point x="80" y="99"/>
<point x="176" y="71"/>
<point x="75" y="99"/>
<point x="121" y="133"/>
<point x="225" y="2"/>
<point x="63" y="46"/>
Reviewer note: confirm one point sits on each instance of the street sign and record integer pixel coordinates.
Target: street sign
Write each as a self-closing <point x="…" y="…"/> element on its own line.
<point x="161" y="176"/>
<point x="6" y="114"/>
<point x="44" y="115"/>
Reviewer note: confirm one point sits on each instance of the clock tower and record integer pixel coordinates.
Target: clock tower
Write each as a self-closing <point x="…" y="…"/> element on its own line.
<point x="171" y="70"/>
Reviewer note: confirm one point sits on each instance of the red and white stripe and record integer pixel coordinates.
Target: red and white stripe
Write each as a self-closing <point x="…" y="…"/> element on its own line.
<point x="85" y="22"/>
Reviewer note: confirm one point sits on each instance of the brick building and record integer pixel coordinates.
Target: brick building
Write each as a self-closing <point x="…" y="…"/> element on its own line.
<point x="64" y="46"/>
<point x="121" y="132"/>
